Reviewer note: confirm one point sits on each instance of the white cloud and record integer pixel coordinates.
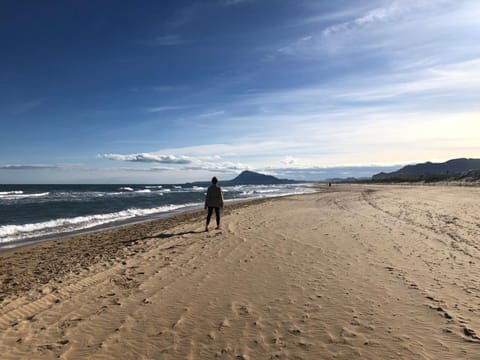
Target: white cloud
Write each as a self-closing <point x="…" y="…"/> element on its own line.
<point x="318" y="16"/>
<point x="148" y="158"/>
<point x="392" y="11"/>
<point x="212" y="162"/>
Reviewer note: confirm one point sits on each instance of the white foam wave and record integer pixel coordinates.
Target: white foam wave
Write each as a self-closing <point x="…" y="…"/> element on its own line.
<point x="126" y="188"/>
<point x="154" y="187"/>
<point x="262" y="191"/>
<point x="199" y="188"/>
<point x="16" y="192"/>
<point x="266" y="191"/>
<point x="144" y="191"/>
<point x="10" y="233"/>
<point x="21" y="195"/>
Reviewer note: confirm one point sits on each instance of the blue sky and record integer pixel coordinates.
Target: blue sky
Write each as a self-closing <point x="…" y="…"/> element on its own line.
<point x="174" y="91"/>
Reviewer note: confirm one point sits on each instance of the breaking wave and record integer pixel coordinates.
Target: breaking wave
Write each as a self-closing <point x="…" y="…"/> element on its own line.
<point x="10" y="233"/>
<point x="12" y="195"/>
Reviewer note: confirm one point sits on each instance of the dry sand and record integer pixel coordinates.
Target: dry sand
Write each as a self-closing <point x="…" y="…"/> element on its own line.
<point x="372" y="272"/>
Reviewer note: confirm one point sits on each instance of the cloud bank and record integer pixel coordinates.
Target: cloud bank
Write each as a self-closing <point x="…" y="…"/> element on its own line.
<point x="148" y="158"/>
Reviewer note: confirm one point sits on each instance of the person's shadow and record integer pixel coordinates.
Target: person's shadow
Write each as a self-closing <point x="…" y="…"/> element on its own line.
<point x="167" y="235"/>
<point x="161" y="236"/>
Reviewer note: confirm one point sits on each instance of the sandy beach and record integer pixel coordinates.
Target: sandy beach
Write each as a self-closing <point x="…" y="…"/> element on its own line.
<point x="350" y="272"/>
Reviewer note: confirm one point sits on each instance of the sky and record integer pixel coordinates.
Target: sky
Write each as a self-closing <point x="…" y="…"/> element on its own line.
<point x="177" y="91"/>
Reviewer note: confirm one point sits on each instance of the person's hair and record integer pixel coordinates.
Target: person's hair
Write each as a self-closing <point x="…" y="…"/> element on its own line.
<point x="214" y="180"/>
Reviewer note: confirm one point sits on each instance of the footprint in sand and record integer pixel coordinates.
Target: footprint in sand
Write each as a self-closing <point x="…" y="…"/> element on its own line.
<point x="224" y="324"/>
<point x="243" y="310"/>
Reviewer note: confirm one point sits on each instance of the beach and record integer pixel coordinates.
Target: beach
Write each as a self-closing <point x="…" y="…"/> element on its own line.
<point x="349" y="272"/>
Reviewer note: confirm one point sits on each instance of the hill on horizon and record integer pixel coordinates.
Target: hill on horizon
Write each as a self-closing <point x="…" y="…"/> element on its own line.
<point x="451" y="169"/>
<point x="248" y="177"/>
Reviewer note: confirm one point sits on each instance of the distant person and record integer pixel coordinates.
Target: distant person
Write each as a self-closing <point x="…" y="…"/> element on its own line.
<point x="214" y="200"/>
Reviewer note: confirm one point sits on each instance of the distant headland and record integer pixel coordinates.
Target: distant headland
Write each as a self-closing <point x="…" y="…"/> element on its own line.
<point x="461" y="169"/>
<point x="248" y="177"/>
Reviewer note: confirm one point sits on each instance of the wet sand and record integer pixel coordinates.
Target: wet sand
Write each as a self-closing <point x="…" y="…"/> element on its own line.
<point x="373" y="272"/>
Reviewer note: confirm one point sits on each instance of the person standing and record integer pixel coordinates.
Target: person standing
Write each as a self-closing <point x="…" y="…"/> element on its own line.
<point x="214" y="200"/>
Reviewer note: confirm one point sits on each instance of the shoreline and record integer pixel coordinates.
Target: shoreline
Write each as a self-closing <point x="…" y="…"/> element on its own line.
<point x="181" y="208"/>
<point x="88" y="247"/>
<point x="98" y="228"/>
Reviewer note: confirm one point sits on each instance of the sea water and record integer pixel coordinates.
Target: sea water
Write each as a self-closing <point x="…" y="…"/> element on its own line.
<point x="31" y="213"/>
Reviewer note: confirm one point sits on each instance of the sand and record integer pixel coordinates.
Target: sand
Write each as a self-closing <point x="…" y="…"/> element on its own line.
<point x="355" y="271"/>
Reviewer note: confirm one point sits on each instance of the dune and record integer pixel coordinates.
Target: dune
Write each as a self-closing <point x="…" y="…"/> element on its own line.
<point x="353" y="271"/>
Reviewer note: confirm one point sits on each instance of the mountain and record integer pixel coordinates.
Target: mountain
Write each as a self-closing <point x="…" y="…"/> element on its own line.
<point x="247" y="178"/>
<point x="451" y="169"/>
<point x="254" y="178"/>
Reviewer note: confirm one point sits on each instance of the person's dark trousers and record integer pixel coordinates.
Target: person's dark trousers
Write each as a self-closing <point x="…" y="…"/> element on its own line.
<point x="217" y="214"/>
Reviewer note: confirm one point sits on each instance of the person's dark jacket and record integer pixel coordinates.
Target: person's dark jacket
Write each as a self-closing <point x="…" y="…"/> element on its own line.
<point x="214" y="197"/>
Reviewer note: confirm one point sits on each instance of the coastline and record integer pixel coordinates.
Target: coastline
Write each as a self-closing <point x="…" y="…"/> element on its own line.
<point x="85" y="209"/>
<point x="78" y="251"/>
<point x="95" y="229"/>
<point x="356" y="271"/>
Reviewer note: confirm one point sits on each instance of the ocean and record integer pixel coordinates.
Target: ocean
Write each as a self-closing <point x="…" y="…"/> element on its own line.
<point x="30" y="213"/>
